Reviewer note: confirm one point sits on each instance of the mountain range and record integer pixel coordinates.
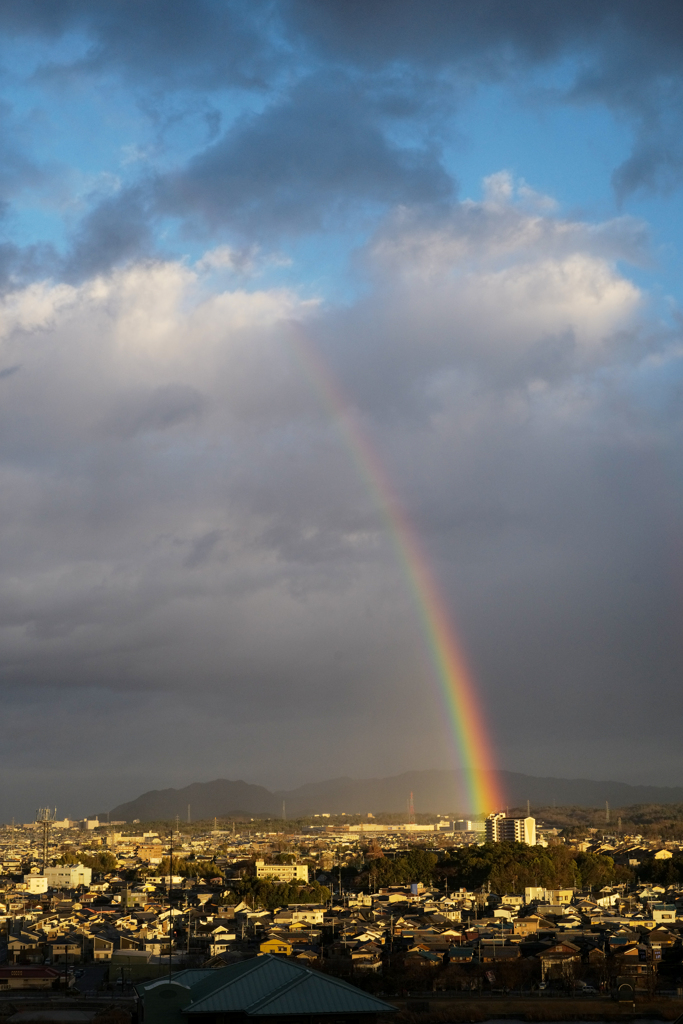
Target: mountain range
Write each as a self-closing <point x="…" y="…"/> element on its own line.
<point x="433" y="791"/>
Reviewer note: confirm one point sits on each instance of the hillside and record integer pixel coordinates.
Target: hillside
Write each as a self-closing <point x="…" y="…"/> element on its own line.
<point x="435" y="791"/>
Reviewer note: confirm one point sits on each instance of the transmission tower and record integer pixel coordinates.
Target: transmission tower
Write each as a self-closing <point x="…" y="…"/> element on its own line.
<point x="44" y="818"/>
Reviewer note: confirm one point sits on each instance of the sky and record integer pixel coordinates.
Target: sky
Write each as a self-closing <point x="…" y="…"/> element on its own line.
<point x="470" y="217"/>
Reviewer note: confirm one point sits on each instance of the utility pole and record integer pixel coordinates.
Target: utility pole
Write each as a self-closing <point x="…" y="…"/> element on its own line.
<point x="189" y="912"/>
<point x="170" y="910"/>
<point x="188" y="814"/>
<point x="606" y="810"/>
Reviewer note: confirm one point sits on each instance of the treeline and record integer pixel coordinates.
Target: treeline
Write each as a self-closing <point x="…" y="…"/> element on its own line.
<point x="186" y="868"/>
<point x="101" y="861"/>
<point x="259" y="892"/>
<point x="662" y="872"/>
<point x="508" y="867"/>
<point x="511" y="867"/>
<point x="377" y="871"/>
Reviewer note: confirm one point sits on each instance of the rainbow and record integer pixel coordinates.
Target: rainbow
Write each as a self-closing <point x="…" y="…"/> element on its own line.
<point x="456" y="684"/>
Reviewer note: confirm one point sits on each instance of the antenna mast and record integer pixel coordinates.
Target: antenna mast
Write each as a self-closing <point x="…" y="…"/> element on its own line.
<point x="45" y="817"/>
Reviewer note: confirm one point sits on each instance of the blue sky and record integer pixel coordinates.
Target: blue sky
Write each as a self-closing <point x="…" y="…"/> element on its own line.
<point x="81" y="130"/>
<point x="475" y="212"/>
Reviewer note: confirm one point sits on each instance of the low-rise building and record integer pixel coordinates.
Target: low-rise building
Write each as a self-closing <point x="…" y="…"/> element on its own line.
<point x="282" y="872"/>
<point x="35" y="884"/>
<point x="68" y="876"/>
<point x="13" y="978"/>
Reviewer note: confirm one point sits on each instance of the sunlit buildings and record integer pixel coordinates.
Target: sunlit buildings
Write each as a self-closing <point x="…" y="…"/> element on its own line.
<point x="68" y="876"/>
<point x="502" y="829"/>
<point x="282" y="872"/>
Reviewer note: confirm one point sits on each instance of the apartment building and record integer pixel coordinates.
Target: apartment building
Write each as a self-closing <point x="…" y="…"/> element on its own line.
<point x="499" y="828"/>
<point x="282" y="872"/>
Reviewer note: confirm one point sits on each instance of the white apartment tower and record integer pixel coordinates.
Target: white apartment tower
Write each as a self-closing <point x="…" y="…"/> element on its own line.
<point x="501" y="829"/>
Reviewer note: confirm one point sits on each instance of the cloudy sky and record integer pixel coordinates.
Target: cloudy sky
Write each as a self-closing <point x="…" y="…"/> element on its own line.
<point x="471" y="214"/>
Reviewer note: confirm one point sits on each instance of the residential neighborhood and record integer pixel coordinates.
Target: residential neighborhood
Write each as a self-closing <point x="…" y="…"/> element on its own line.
<point x="137" y="902"/>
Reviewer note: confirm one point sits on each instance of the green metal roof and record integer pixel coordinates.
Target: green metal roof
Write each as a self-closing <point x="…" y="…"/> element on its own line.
<point x="189" y="978"/>
<point x="268" y="986"/>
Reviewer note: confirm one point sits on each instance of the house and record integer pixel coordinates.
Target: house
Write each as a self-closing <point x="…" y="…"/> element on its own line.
<point x="460" y="954"/>
<point x="25" y="947"/>
<point x="513" y="901"/>
<point x="636" y="965"/>
<point x="266" y="989"/>
<point x="277" y="944"/>
<point x="559" y="960"/>
<point x="66" y="949"/>
<point x="660" y="938"/>
<point x="421" y="956"/>
<point x="490" y="954"/>
<point x="634" y="961"/>
<point x="532" y="924"/>
<point x="12" y="978"/>
<point x="662" y="912"/>
<point x="102" y="947"/>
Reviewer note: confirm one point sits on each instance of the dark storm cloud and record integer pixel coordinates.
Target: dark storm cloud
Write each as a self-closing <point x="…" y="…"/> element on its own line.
<point x="303" y="161"/>
<point x="116" y="230"/>
<point x="629" y="56"/>
<point x="166" y="42"/>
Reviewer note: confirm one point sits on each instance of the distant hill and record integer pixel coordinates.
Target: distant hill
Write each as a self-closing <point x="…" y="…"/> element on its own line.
<point x="206" y="799"/>
<point x="433" y="791"/>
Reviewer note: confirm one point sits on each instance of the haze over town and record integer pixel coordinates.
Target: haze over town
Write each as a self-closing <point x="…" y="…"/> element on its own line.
<point x="279" y="276"/>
